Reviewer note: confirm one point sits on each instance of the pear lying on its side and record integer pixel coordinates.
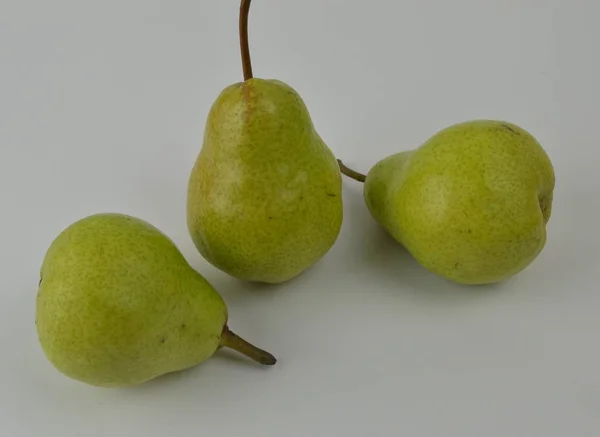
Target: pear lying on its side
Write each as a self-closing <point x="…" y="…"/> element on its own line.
<point x="471" y="204"/>
<point x="118" y="305"/>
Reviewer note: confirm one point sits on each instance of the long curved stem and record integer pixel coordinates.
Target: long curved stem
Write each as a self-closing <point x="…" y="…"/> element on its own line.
<point x="351" y="173"/>
<point x="244" y="45"/>
<point x="232" y="341"/>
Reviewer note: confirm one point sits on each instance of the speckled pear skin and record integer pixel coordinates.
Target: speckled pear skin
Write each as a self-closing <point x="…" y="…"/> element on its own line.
<point x="471" y="204"/>
<point x="265" y="193"/>
<point x="118" y="305"/>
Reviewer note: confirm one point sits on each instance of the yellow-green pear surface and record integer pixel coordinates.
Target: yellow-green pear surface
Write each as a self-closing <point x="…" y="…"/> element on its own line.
<point x="471" y="204"/>
<point x="118" y="305"/>
<point x="264" y="196"/>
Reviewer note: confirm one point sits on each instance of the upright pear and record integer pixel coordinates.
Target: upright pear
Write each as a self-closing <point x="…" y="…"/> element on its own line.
<point x="471" y="204"/>
<point x="118" y="305"/>
<point x="264" y="199"/>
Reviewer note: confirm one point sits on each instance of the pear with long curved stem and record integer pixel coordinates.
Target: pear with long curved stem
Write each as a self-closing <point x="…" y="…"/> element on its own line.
<point x="471" y="204"/>
<point x="264" y="199"/>
<point x="118" y="305"/>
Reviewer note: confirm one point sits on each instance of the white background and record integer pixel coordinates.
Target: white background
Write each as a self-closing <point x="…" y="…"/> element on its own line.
<point x="102" y="108"/>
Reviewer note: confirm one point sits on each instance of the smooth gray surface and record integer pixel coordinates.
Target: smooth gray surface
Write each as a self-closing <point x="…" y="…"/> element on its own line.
<point x="102" y="108"/>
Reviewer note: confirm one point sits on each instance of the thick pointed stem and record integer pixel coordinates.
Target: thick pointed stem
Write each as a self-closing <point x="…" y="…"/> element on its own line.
<point x="232" y="341"/>
<point x="244" y="44"/>
<point x="351" y="173"/>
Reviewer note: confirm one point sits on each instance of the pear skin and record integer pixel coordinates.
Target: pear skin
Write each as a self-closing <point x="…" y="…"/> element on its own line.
<point x="471" y="204"/>
<point x="264" y="200"/>
<point x="118" y="305"/>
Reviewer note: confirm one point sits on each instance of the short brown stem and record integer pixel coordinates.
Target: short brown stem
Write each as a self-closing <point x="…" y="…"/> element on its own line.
<point x="351" y="173"/>
<point x="232" y="341"/>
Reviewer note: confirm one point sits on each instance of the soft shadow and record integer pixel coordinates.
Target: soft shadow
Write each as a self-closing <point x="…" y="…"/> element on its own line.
<point x="169" y="381"/>
<point x="304" y="277"/>
<point x="201" y="375"/>
<point x="264" y="288"/>
<point x="382" y="254"/>
<point x="231" y="287"/>
<point x="233" y="357"/>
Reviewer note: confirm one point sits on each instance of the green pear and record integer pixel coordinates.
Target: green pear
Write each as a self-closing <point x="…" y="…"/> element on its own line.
<point x="264" y="199"/>
<point x="118" y="305"/>
<point x="471" y="204"/>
